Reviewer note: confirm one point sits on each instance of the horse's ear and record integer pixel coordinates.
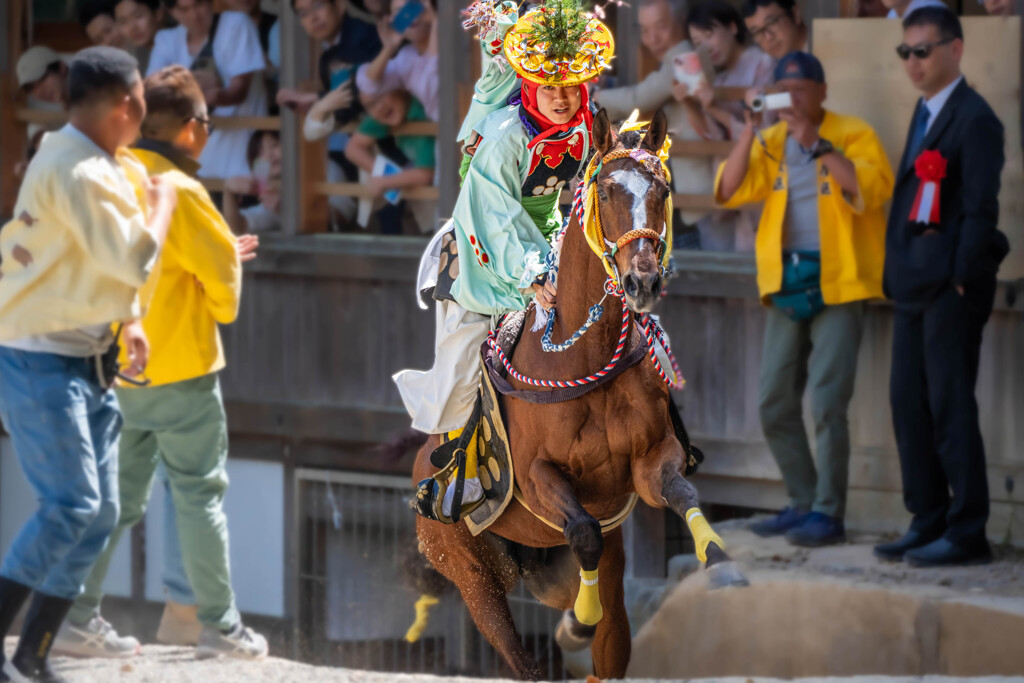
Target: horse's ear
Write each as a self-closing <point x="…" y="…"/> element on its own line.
<point x="603" y="136"/>
<point x="656" y="133"/>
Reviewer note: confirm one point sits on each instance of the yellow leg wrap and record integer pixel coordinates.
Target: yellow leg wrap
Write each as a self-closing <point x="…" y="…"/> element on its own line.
<point x="588" y="602"/>
<point x="702" y="533"/>
<point x="423" y="606"/>
<point x="471" y="451"/>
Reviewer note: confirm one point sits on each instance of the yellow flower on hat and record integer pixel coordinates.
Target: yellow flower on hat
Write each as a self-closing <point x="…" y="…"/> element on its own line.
<point x="559" y="44"/>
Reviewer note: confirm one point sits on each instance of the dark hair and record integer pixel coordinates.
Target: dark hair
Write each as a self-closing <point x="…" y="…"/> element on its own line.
<point x="941" y="18"/>
<point x="705" y="15"/>
<point x="172" y="98"/>
<point x="329" y="2"/>
<point x="170" y="4"/>
<point x="252" y="151"/>
<point x="100" y="73"/>
<point x="90" y="9"/>
<point x="750" y="6"/>
<point x="153" y="5"/>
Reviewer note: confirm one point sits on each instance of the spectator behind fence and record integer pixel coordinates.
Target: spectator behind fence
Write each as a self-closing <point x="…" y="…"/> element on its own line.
<point x="97" y="18"/>
<point x="223" y="52"/>
<point x="414" y="154"/>
<point x="824" y="179"/>
<point x="347" y="42"/>
<point x="42" y="76"/>
<point x="264" y="157"/>
<point x="412" y="24"/>
<point x="902" y="8"/>
<point x="663" y="35"/>
<point x="777" y="26"/>
<point x="178" y="419"/>
<point x="77" y="257"/>
<point x="716" y="27"/>
<point x="264" y="22"/>
<point x="943" y="253"/>
<point x="138" y="21"/>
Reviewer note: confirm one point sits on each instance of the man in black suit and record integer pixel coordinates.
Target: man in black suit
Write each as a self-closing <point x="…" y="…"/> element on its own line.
<point x="942" y="254"/>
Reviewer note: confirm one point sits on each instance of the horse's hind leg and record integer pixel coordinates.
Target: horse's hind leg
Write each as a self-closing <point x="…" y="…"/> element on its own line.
<point x="659" y="481"/>
<point x="484" y="576"/>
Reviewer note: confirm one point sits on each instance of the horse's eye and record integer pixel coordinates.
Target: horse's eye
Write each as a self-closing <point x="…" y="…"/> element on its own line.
<point x="602" y="195"/>
<point x="666" y="194"/>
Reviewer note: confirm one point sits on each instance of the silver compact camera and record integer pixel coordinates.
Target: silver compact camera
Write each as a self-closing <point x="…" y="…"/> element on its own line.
<point x="772" y="102"/>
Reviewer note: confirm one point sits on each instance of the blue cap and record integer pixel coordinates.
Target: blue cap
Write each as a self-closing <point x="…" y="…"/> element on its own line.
<point x="799" y="65"/>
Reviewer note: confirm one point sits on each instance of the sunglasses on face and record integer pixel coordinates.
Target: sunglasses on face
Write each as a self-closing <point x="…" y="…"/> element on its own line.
<point x="920" y="51"/>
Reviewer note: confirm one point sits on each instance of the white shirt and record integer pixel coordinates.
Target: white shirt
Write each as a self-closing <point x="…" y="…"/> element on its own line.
<point x="236" y="51"/>
<point x="260" y="219"/>
<point x="915" y="4"/>
<point x="86" y="341"/>
<point x="407" y="70"/>
<point x="938" y="101"/>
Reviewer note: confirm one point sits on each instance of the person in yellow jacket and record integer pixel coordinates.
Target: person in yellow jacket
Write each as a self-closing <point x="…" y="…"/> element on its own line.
<point x="824" y="179"/>
<point x="179" y="419"/>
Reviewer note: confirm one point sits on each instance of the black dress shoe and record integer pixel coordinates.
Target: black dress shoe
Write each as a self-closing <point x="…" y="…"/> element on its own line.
<point x="894" y="552"/>
<point x="945" y="553"/>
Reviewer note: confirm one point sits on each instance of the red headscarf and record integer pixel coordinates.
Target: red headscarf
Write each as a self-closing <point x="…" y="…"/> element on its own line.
<point x="548" y="127"/>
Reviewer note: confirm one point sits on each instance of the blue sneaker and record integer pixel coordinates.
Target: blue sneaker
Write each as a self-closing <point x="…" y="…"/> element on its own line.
<point x="780" y="523"/>
<point x="816" y="530"/>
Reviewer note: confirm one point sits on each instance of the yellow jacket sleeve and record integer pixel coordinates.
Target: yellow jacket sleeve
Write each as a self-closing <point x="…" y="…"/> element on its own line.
<point x="874" y="174"/>
<point x="205" y="247"/>
<point x="756" y="185"/>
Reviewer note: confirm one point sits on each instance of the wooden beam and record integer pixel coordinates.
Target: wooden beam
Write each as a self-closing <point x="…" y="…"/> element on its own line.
<point x="450" y="36"/>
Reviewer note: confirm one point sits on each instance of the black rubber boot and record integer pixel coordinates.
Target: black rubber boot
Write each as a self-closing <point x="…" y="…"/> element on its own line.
<point x="31" y="660"/>
<point x="12" y="597"/>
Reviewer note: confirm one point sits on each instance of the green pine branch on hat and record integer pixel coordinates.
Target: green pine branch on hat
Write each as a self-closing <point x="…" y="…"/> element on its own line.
<point x="564" y="26"/>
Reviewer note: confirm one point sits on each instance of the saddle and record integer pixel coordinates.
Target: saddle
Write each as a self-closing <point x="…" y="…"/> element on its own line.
<point x="494" y="453"/>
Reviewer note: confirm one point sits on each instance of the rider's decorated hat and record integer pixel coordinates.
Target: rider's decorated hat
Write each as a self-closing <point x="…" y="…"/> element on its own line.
<point x="559" y="44"/>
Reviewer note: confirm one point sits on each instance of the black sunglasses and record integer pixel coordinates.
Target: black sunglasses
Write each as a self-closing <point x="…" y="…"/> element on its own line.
<point x="200" y="119"/>
<point x="920" y="51"/>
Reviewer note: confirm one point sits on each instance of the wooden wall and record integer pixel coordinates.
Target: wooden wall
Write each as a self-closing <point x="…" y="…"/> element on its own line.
<point x="326" y="321"/>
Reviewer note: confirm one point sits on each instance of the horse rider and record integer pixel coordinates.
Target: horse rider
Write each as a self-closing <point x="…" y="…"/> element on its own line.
<point x="526" y="137"/>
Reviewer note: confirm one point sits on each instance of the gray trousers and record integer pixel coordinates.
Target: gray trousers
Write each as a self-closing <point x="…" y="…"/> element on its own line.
<point x="820" y="353"/>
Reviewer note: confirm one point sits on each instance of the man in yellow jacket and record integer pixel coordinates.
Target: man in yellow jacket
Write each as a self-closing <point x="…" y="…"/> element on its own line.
<point x="179" y="418"/>
<point x="824" y="180"/>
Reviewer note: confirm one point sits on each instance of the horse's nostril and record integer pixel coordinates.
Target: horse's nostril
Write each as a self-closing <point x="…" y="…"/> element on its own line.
<point x="630" y="285"/>
<point x="656" y="285"/>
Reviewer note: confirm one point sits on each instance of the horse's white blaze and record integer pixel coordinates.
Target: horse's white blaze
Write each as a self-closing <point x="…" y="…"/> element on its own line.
<point x="637" y="185"/>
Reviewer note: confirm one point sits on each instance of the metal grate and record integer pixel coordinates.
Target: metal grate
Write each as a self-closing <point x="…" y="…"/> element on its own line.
<point x="354" y="605"/>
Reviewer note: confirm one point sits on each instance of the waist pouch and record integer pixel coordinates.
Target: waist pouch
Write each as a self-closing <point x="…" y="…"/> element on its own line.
<point x="800" y="296"/>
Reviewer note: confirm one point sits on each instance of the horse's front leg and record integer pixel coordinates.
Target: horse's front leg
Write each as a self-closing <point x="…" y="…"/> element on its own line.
<point x="658" y="478"/>
<point x="550" y="494"/>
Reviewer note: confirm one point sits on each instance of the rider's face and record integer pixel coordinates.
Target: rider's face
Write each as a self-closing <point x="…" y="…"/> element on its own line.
<point x="558" y="104"/>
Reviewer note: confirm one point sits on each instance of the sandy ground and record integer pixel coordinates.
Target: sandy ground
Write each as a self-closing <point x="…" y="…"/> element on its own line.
<point x="160" y="664"/>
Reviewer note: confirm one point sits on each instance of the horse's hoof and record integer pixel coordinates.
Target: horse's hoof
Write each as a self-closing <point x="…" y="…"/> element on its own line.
<point x="725" y="574"/>
<point x="571" y="635"/>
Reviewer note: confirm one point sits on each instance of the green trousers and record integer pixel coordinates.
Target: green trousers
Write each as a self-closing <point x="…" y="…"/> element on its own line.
<point x="184" y="425"/>
<point x="820" y="353"/>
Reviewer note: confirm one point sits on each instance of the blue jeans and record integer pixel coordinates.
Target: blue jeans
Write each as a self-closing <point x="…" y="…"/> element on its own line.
<point x="175" y="580"/>
<point x="64" y="428"/>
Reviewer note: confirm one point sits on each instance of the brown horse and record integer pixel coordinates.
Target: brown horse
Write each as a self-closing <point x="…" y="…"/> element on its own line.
<point x="580" y="461"/>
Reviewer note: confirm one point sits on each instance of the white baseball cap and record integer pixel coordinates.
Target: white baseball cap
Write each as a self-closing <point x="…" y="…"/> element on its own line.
<point x="33" y="63"/>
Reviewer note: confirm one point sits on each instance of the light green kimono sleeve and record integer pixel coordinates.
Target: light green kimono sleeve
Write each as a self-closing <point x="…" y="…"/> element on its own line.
<point x="497" y="81"/>
<point x="500" y="246"/>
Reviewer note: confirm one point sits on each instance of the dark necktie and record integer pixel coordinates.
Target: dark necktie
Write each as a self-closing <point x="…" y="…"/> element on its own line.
<point x="917" y="137"/>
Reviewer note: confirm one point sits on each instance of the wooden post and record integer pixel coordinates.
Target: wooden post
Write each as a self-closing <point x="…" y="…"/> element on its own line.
<point x="11" y="135"/>
<point x="450" y="55"/>
<point x="627" y="44"/>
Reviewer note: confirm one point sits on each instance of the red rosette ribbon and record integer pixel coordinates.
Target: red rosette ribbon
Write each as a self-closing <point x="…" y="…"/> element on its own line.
<point x="931" y="169"/>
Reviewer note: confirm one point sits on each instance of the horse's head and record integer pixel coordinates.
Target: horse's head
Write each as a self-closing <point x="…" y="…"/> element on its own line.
<point x="631" y="191"/>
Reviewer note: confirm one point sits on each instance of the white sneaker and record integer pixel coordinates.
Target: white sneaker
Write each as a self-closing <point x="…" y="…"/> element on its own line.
<point x="96" y="639"/>
<point x="240" y="643"/>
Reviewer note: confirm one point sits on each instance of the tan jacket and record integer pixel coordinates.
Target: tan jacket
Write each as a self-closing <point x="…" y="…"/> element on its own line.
<point x="690" y="175"/>
<point x="78" y="249"/>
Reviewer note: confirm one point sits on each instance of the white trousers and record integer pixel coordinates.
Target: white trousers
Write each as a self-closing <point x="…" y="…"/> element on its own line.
<point x="441" y="399"/>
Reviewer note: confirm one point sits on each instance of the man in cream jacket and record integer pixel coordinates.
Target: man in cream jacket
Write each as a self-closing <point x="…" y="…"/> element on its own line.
<point x="88" y="227"/>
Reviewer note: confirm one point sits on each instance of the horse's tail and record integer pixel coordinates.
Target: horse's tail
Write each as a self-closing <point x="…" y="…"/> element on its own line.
<point x="401" y="443"/>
